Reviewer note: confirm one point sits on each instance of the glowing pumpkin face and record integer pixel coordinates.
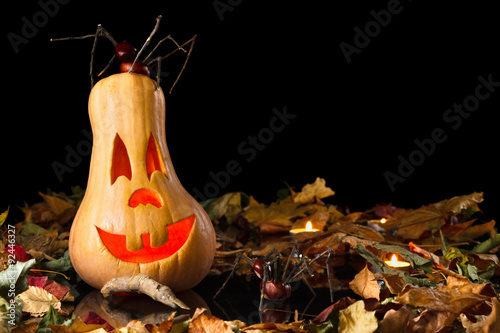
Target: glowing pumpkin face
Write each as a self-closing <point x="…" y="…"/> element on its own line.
<point x="136" y="217"/>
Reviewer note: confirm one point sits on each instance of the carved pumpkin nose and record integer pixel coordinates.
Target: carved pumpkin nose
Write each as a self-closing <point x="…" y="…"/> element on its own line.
<point x="144" y="196"/>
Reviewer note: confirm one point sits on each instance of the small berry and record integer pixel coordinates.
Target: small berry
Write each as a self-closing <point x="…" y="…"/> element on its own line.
<point x="125" y="52"/>
<point x="139" y="67"/>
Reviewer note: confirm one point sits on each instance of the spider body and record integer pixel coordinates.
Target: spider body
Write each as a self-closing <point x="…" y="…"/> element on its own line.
<point x="277" y="276"/>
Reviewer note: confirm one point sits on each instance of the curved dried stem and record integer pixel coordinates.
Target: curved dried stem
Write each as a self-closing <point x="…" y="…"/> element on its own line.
<point x="143" y="284"/>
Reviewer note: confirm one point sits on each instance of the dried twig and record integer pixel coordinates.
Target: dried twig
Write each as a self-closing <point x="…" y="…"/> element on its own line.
<point x="146" y="43"/>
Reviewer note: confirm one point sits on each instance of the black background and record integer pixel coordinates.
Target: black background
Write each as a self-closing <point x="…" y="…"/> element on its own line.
<point x="352" y="120"/>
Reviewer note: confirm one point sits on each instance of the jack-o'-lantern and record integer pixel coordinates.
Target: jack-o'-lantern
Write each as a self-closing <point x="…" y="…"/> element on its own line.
<point x="136" y="217"/>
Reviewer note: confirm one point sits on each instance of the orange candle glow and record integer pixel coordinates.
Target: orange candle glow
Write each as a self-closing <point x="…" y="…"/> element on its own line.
<point x="308" y="228"/>
<point x="395" y="263"/>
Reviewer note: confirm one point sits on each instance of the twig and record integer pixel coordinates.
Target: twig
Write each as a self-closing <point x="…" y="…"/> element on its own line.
<point x="159" y="43"/>
<point x="146" y="43"/>
<point x="100" y="32"/>
<point x="180" y="48"/>
<point x="184" y="66"/>
<point x="46" y="271"/>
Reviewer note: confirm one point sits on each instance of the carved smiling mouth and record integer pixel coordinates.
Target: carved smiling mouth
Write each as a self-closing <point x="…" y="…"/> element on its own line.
<point x="178" y="234"/>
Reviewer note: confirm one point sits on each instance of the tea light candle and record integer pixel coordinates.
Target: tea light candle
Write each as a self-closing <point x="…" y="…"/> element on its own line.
<point x="308" y="228"/>
<point x="394" y="263"/>
<point x="375" y="224"/>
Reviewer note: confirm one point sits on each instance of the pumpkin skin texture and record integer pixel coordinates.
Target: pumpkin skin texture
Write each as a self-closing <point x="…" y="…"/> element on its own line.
<point x="134" y="205"/>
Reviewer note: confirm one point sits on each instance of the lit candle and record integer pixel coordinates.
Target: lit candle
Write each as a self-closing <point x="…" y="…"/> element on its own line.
<point x="308" y="228"/>
<point x="396" y="264"/>
<point x="375" y="224"/>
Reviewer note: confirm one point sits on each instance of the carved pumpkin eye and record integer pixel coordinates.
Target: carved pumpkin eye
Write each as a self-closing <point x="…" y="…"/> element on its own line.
<point x="153" y="161"/>
<point x="121" y="162"/>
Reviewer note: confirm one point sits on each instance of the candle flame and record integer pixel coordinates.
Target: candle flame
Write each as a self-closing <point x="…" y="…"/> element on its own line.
<point x="309" y="226"/>
<point x="383" y="220"/>
<point x="394" y="262"/>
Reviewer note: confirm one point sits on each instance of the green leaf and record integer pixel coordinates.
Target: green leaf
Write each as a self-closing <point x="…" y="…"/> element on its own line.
<point x="487" y="245"/>
<point x="181" y="327"/>
<point x="416" y="260"/>
<point x="283" y="193"/>
<point x="472" y="272"/>
<point x="15" y="276"/>
<point x="62" y="264"/>
<point x="53" y="318"/>
<point x="32" y="229"/>
<point x="226" y="207"/>
<point x="379" y="265"/>
<point x="330" y="325"/>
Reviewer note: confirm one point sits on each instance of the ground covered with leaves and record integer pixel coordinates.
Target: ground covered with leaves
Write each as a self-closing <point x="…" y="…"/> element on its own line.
<point x="451" y="284"/>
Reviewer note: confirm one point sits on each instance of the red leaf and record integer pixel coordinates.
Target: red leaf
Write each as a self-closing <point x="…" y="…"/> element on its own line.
<point x="94" y="318"/>
<point x="19" y="253"/>
<point x="38" y="281"/>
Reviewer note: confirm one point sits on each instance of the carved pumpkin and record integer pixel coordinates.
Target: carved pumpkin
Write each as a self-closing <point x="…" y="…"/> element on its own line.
<point x="136" y="217"/>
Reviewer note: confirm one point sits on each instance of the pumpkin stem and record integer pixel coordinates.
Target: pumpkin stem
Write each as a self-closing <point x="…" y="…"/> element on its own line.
<point x="143" y="284"/>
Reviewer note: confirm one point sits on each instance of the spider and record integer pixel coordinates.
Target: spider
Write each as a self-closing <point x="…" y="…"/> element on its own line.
<point x="276" y="278"/>
<point x="129" y="57"/>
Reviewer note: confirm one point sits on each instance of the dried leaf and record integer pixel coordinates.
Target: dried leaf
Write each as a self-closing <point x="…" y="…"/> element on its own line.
<point x="356" y="319"/>
<point x="433" y="216"/>
<point x="38" y="301"/>
<point x="395" y="283"/>
<point x="365" y="284"/>
<point x="3" y="216"/>
<point x="357" y="230"/>
<point x="78" y="327"/>
<point x="316" y="189"/>
<point x="58" y="206"/>
<point x="491" y="324"/>
<point x="396" y="320"/>
<point x="275" y="327"/>
<point x="430" y="321"/>
<point x="227" y="206"/>
<point x="449" y="298"/>
<point x="201" y="323"/>
<point x="276" y="213"/>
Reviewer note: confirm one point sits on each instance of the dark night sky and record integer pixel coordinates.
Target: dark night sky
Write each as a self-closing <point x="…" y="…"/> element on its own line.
<point x="365" y="87"/>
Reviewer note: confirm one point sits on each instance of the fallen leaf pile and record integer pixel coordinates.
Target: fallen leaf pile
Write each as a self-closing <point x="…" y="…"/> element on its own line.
<point x="451" y="284"/>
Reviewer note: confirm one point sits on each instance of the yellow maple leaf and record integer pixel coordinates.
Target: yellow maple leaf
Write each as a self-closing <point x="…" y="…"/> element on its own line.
<point x="355" y="318"/>
<point x="309" y="191"/>
<point x="275" y="213"/>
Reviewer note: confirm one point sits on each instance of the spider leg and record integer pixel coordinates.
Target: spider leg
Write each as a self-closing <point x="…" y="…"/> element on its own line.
<point x="298" y="269"/>
<point x="308" y="285"/>
<point x="292" y="252"/>
<point x="92" y="52"/>
<point x="169" y="37"/>
<point x="158" y="71"/>
<point x="240" y="256"/>
<point x="185" y="62"/>
<point x="328" y="272"/>
<point x="265" y="278"/>
<point x="146" y="43"/>
<point x="100" y="32"/>
<point x="328" y="269"/>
